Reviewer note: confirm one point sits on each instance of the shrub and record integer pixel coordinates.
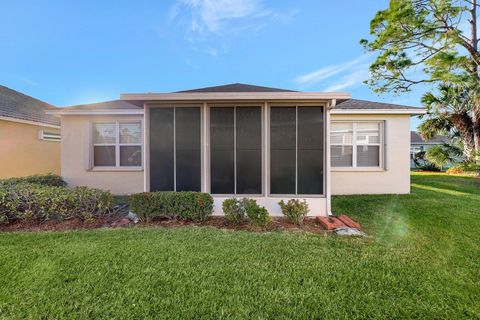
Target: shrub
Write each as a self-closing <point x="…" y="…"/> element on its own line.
<point x="234" y="210"/>
<point x="185" y="205"/>
<point x="295" y="210"/>
<point x="30" y="201"/>
<point x="454" y="170"/>
<point x="256" y="214"/>
<point x="44" y="180"/>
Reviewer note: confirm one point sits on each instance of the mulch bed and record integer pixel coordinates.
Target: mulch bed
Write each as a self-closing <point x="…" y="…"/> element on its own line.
<point x="277" y="224"/>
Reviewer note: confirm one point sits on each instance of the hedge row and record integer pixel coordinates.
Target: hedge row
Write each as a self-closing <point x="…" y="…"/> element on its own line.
<point x="44" y="180"/>
<point x="196" y="206"/>
<point x="39" y="202"/>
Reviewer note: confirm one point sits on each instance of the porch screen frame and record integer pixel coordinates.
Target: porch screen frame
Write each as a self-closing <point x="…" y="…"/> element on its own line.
<point x="208" y="176"/>
<point x="167" y="105"/>
<point x="326" y="127"/>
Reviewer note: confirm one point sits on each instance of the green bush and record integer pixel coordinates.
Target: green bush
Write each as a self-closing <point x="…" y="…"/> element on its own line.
<point x="234" y="210"/>
<point x="44" y="180"/>
<point x="256" y="214"/>
<point x="30" y="201"/>
<point x="295" y="210"/>
<point x="196" y="206"/>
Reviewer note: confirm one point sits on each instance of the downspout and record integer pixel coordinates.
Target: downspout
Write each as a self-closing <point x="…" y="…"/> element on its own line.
<point x="327" y="157"/>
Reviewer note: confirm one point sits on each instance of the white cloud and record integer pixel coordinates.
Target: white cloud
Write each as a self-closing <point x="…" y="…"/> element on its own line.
<point x="221" y="16"/>
<point x="350" y="80"/>
<point x="330" y="71"/>
<point x="213" y="15"/>
<point x="27" y="81"/>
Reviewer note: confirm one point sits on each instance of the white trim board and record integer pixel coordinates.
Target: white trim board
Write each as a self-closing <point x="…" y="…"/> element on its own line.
<point x="215" y="96"/>
<point x="379" y="111"/>
<point x="98" y="112"/>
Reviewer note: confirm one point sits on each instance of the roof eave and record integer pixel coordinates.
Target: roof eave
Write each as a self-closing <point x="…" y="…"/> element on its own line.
<point x="61" y="112"/>
<point x="221" y="96"/>
<point x="35" y="123"/>
<point x="412" y="112"/>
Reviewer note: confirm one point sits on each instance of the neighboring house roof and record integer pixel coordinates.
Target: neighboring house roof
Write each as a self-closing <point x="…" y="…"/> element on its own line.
<point x="16" y="105"/>
<point x="355" y="104"/>
<point x="416" y="138"/>
<point x="236" y="87"/>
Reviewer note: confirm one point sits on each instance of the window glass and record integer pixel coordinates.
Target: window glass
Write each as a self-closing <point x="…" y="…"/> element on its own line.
<point x="104" y="156"/>
<point x="368" y="156"/>
<point x="368" y="133"/>
<point x="341" y="133"/>
<point x="130" y="156"/>
<point x="222" y="166"/>
<point x="282" y="150"/>
<point x="341" y="156"/>
<point x="130" y="132"/>
<point x="104" y="133"/>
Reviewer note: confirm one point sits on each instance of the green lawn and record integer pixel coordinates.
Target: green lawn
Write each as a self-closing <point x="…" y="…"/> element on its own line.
<point x="422" y="260"/>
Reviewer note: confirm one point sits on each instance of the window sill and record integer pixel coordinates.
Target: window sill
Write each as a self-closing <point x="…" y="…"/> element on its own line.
<point x="115" y="169"/>
<point x="363" y="169"/>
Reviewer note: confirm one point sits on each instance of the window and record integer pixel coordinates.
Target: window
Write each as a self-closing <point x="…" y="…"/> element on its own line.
<point x="175" y="154"/>
<point x="296" y="150"/>
<point x="236" y="150"/>
<point x="356" y="144"/>
<point x="117" y="144"/>
<point x="49" y="136"/>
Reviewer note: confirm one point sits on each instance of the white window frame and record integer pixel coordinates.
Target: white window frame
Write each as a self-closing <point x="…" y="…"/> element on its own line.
<point x="49" y="136"/>
<point x="117" y="144"/>
<point x="380" y="144"/>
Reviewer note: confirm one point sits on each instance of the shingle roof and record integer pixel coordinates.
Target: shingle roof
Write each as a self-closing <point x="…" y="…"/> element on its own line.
<point x="416" y="138"/>
<point x="107" y="105"/>
<point x="370" y="105"/>
<point x="236" y="87"/>
<point x="14" y="104"/>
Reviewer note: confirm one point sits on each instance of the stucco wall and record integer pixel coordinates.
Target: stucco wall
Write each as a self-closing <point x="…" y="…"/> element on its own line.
<point x="75" y="150"/>
<point x="395" y="178"/>
<point x="23" y="154"/>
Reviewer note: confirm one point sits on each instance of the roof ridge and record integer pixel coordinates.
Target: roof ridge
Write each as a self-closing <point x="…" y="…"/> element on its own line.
<point x="235" y="87"/>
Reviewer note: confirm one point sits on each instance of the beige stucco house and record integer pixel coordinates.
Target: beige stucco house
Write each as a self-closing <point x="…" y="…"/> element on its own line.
<point x="29" y="138"/>
<point x="239" y="140"/>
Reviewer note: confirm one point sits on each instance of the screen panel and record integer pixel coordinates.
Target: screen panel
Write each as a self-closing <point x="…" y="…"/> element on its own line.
<point x="222" y="144"/>
<point x="187" y="148"/>
<point x="161" y="149"/>
<point x="282" y="150"/>
<point x="310" y="150"/>
<point x="249" y="150"/>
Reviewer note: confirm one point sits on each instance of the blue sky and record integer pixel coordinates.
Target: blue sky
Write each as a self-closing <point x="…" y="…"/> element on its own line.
<point x="73" y="52"/>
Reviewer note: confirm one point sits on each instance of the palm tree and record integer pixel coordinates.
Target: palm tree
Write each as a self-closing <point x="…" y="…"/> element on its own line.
<point x="440" y="156"/>
<point x="450" y="113"/>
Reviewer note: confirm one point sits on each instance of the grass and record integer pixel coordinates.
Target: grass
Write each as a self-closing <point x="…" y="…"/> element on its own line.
<point x="421" y="261"/>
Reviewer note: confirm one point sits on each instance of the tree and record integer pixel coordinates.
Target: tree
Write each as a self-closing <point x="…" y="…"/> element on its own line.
<point x="440" y="156"/>
<point x="427" y="41"/>
<point x="449" y="114"/>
